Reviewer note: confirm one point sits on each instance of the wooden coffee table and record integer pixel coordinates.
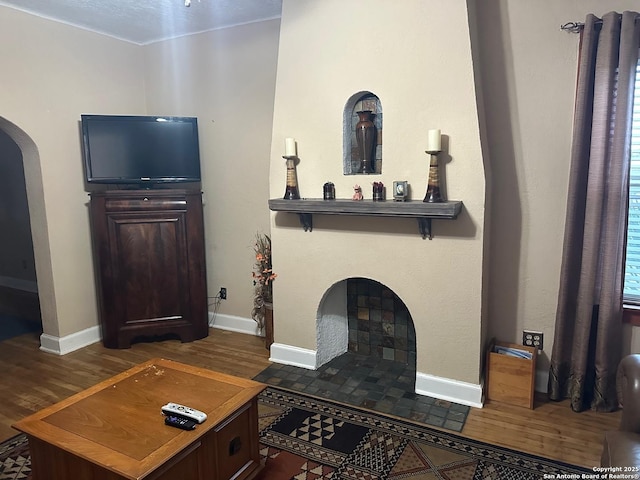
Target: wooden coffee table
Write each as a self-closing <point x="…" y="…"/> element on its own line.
<point x="115" y="430"/>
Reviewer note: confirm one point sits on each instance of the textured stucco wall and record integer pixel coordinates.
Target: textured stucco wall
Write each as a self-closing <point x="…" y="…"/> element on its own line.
<point x="417" y="60"/>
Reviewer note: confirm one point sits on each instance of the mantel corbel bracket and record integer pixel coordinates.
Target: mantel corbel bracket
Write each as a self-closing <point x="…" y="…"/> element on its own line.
<point x="424" y="225"/>
<point x="306" y="220"/>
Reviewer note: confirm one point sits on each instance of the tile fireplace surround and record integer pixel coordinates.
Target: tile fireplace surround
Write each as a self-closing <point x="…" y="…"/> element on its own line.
<point x="379" y="323"/>
<point x="372" y="383"/>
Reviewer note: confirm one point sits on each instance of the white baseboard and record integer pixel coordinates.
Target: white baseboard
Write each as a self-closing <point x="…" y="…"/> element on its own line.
<point x="77" y="340"/>
<point x="437" y="387"/>
<point x="234" y="323"/>
<point x="19" y="284"/>
<point x="296" y="356"/>
<point x="451" y="390"/>
<point x="69" y="343"/>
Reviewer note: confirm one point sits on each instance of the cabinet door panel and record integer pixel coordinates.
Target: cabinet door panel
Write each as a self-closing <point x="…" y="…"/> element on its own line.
<point x="149" y="260"/>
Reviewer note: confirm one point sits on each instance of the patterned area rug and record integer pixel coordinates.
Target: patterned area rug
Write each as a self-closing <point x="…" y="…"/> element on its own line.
<point x="15" y="462"/>
<point x="304" y="438"/>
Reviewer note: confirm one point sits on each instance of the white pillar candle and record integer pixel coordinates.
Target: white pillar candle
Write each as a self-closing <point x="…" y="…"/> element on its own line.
<point x="433" y="141"/>
<point x="290" y="147"/>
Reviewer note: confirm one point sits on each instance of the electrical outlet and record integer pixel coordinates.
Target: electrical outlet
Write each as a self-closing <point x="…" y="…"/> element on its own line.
<point x="533" y="339"/>
<point x="223" y="293"/>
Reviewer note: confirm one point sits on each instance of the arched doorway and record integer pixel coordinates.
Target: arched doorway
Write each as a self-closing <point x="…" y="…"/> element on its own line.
<point x="19" y="303"/>
<point x="37" y="284"/>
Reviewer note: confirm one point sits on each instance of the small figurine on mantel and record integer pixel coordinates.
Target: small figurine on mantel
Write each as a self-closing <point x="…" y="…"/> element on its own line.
<point x="357" y="192"/>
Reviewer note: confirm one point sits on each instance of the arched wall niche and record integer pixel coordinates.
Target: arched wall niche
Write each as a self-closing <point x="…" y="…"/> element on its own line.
<point x="361" y="101"/>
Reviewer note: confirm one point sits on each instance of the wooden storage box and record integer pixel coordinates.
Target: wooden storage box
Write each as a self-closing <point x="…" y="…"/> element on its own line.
<point x="511" y="379"/>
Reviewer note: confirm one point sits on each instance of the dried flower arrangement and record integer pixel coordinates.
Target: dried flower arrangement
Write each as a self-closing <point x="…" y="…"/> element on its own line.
<point x="263" y="277"/>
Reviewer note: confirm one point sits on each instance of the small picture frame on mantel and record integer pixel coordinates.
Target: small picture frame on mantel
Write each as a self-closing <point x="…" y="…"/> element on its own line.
<point x="400" y="190"/>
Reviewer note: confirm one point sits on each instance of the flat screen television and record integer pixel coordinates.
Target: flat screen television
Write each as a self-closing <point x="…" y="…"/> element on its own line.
<point x="140" y="150"/>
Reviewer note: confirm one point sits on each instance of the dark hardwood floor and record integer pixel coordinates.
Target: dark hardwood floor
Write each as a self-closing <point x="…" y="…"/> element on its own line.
<point x="32" y="380"/>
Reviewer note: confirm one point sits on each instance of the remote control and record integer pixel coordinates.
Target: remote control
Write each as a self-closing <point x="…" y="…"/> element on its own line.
<point x="183" y="411"/>
<point x="179" y="422"/>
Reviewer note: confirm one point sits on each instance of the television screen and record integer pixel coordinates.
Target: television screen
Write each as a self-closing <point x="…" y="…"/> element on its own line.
<point x="140" y="149"/>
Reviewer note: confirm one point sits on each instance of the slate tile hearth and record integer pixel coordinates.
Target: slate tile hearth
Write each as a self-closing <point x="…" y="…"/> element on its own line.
<point x="373" y="383"/>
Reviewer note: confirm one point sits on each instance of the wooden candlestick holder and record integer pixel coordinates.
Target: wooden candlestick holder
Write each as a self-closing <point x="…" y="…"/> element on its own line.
<point x="291" y="190"/>
<point x="433" y="185"/>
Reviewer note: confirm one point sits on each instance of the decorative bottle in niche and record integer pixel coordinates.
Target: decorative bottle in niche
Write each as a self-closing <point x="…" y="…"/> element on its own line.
<point x="366" y="138"/>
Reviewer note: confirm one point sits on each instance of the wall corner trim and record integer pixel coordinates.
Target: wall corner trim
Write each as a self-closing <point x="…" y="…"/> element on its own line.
<point x="447" y="389"/>
<point x="234" y="323"/>
<point x="295" y="356"/>
<point x="69" y="343"/>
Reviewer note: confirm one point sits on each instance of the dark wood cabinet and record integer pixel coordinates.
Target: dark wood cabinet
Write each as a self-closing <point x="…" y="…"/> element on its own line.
<point x="150" y="261"/>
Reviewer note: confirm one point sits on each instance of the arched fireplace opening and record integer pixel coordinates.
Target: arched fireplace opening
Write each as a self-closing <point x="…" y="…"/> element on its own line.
<point x="367" y="322"/>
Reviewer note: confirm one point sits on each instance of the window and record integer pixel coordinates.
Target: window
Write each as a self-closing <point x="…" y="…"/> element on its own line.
<point x="632" y="267"/>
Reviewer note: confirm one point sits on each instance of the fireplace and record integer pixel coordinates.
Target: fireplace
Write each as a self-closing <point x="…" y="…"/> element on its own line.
<point x="367" y="342"/>
<point x="389" y="313"/>
<point x="441" y="281"/>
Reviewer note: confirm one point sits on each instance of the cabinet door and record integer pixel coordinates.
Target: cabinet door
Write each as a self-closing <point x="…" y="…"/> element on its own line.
<point x="150" y="270"/>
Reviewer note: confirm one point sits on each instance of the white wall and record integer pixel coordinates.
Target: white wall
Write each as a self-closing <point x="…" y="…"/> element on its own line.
<point x="227" y="79"/>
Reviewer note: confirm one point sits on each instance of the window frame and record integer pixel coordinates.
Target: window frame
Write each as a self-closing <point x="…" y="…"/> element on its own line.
<point x="631" y="310"/>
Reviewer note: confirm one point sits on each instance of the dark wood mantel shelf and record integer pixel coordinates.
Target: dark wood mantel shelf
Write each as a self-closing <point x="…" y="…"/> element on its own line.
<point x="423" y="212"/>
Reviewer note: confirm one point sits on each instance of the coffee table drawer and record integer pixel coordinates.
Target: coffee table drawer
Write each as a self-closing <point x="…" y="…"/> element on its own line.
<point x="236" y="444"/>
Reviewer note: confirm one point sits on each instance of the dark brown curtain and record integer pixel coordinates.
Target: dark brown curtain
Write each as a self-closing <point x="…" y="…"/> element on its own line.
<point x="587" y="344"/>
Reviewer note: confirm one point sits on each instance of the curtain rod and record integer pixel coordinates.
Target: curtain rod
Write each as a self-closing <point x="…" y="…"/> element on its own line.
<point x="576" y="27"/>
<point x="572" y="27"/>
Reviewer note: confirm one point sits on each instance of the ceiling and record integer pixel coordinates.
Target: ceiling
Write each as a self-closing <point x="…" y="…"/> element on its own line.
<point x="148" y="21"/>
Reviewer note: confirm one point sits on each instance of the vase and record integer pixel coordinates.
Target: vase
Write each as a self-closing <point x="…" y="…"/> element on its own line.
<point x="268" y="325"/>
<point x="366" y="139"/>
